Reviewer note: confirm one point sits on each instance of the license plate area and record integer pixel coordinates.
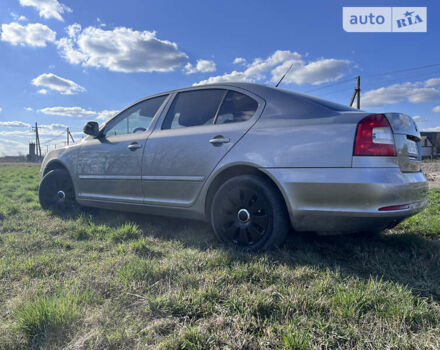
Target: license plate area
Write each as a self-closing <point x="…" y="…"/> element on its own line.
<point x="412" y="147"/>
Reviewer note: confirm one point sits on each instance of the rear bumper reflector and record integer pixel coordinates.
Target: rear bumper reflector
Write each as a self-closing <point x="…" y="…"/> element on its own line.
<point x="395" y="207"/>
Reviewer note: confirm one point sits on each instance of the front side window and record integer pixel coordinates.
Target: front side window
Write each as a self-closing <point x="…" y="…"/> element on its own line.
<point x="193" y="108"/>
<point x="236" y="107"/>
<point x="135" y="119"/>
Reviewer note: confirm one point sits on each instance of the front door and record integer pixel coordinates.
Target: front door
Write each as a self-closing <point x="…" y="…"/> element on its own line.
<point x="109" y="167"/>
<point x="200" y="127"/>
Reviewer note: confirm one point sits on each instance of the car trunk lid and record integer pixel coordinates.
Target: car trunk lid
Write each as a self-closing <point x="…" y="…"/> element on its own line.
<point x="407" y="141"/>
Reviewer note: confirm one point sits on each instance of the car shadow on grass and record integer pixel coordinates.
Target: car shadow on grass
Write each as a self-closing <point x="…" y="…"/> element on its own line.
<point x="404" y="258"/>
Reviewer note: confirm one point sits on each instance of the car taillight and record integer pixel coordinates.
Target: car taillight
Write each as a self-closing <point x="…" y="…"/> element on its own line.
<point x="374" y="137"/>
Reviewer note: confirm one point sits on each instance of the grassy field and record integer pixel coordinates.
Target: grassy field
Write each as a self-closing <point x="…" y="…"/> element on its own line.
<point x="108" y="280"/>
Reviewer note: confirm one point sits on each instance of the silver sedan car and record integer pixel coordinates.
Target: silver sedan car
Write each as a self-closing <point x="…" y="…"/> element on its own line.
<point x="251" y="159"/>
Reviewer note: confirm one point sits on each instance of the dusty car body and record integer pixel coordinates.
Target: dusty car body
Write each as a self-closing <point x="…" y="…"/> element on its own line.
<point x="335" y="169"/>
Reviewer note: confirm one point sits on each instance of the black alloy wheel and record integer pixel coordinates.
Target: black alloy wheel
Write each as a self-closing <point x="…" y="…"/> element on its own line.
<point x="56" y="191"/>
<point x="248" y="213"/>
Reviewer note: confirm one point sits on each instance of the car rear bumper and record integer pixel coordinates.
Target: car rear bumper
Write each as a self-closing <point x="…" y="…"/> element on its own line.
<point x="348" y="199"/>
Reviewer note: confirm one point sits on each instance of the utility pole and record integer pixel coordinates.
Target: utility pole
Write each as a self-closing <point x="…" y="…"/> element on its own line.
<point x="69" y="135"/>
<point x="357" y="92"/>
<point x="37" y="141"/>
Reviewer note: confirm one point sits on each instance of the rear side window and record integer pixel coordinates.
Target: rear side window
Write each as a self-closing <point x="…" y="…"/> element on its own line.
<point x="236" y="107"/>
<point x="193" y="108"/>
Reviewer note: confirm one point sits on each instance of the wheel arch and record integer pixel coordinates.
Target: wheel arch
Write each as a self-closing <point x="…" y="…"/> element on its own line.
<point x="55" y="164"/>
<point x="237" y="170"/>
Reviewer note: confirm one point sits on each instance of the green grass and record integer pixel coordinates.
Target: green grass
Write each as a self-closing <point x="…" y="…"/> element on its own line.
<point x="101" y="279"/>
<point x="426" y="223"/>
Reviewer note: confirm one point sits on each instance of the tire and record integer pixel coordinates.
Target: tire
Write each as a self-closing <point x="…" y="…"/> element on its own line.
<point x="248" y="213"/>
<point x="56" y="192"/>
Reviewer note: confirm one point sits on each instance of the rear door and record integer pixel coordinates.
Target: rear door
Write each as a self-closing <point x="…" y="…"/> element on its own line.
<point x="199" y="128"/>
<point x="109" y="167"/>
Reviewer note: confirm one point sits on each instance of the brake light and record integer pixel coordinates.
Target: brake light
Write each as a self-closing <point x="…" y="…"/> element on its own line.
<point x="374" y="137"/>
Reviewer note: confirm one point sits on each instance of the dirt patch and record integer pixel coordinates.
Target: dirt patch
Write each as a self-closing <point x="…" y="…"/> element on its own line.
<point x="431" y="169"/>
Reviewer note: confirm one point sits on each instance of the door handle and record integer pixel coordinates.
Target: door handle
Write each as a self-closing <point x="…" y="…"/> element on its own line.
<point x="134" y="146"/>
<point x="218" y="140"/>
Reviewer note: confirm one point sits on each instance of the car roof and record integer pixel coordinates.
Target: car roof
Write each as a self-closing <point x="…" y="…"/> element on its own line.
<point x="258" y="89"/>
<point x="274" y="95"/>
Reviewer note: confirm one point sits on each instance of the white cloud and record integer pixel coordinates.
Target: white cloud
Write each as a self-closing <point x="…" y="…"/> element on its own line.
<point x="29" y="109"/>
<point x="13" y="142"/>
<point x="1" y="109"/>
<point x="19" y="137"/>
<point x="33" y="34"/>
<point x="15" y="124"/>
<point x="419" y="119"/>
<point x="73" y="30"/>
<point x="47" y="8"/>
<point x="414" y="92"/>
<point x="16" y="133"/>
<point x="100" y="22"/>
<point x="54" y="82"/>
<point x="23" y="133"/>
<point x="43" y="91"/>
<point x="68" y="111"/>
<point x="75" y="112"/>
<point x="437" y="128"/>
<point x="432" y="82"/>
<point x="202" y="66"/>
<point x="18" y="18"/>
<point x="317" y="72"/>
<point x="239" y="60"/>
<point x="9" y="147"/>
<point x="120" y="50"/>
<point x="257" y="69"/>
<point x="106" y="115"/>
<point x="53" y="126"/>
<point x="234" y="76"/>
<point x="436" y="109"/>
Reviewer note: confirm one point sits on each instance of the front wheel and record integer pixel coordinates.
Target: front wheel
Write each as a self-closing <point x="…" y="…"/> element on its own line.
<point x="249" y="213"/>
<point x="56" y="191"/>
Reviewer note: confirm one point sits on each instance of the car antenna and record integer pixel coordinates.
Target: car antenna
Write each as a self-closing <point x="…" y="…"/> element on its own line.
<point x="284" y="75"/>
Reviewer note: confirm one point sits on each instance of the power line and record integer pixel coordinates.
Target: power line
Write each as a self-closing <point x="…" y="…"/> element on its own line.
<point x="54" y="138"/>
<point x="401" y="70"/>
<point x="331" y="85"/>
<point x="374" y="75"/>
<point x="334" y="91"/>
<point x="420" y="76"/>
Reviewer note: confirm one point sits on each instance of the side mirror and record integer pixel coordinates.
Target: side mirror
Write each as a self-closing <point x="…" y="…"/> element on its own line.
<point x="91" y="128"/>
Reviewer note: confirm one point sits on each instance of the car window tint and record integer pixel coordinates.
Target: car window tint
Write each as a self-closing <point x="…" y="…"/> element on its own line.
<point x="193" y="108"/>
<point x="236" y="107"/>
<point x="135" y="119"/>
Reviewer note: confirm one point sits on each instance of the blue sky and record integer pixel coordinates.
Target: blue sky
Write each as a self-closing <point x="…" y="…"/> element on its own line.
<point x="65" y="62"/>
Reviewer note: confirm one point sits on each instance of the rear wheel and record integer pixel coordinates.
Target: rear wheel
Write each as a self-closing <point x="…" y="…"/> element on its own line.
<point x="248" y="212"/>
<point x="56" y="191"/>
